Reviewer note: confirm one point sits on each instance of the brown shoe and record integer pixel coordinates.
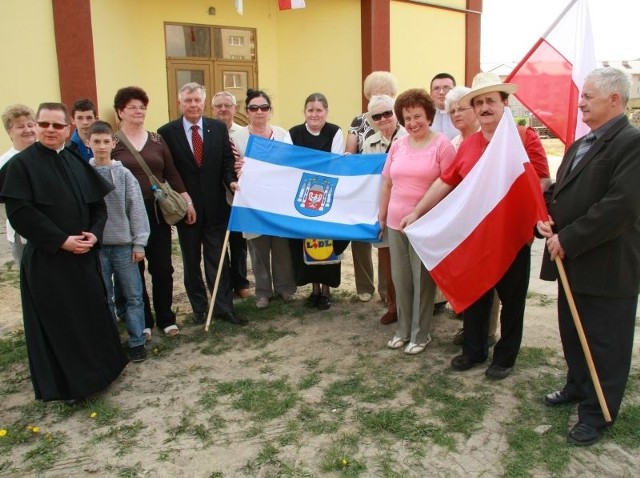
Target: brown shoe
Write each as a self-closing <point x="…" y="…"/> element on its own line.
<point x="389" y="318"/>
<point x="243" y="293"/>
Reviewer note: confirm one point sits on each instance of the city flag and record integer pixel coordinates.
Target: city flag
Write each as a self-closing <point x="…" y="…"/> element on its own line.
<point x="551" y="75"/>
<point x="295" y="192"/>
<point x="469" y="239"/>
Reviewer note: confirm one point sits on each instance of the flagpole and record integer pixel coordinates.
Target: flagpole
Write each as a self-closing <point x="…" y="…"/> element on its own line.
<point x="214" y="291"/>
<point x="564" y="12"/>
<point x="583" y="340"/>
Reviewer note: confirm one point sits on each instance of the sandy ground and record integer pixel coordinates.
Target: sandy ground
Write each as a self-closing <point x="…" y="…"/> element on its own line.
<point x="158" y="392"/>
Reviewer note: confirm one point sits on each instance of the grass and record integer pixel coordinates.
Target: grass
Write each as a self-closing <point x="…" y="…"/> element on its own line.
<point x="263" y="399"/>
<point x="257" y="404"/>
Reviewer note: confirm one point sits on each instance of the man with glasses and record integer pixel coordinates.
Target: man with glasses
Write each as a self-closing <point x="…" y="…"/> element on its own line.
<point x="55" y="200"/>
<point x="202" y="153"/>
<point x="441" y="84"/>
<point x="224" y="109"/>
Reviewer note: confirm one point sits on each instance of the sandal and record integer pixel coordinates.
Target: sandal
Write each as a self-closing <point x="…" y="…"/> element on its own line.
<point x="396" y="342"/>
<point x="171" y="331"/>
<point x="147" y="335"/>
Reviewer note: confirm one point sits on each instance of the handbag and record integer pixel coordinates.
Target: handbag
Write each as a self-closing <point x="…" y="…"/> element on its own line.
<point x="172" y="206"/>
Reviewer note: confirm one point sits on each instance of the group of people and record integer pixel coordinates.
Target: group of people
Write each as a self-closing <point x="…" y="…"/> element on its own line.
<point x="88" y="205"/>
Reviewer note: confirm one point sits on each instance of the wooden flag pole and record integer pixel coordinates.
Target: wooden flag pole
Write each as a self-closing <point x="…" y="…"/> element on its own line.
<point x="583" y="340"/>
<point x="214" y="292"/>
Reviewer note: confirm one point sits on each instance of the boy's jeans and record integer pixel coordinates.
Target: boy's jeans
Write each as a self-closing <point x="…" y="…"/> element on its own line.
<point x="117" y="264"/>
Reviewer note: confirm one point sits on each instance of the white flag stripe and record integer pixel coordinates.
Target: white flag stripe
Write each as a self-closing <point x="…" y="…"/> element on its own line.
<point x="451" y="221"/>
<point x="573" y="38"/>
<point x="358" y="193"/>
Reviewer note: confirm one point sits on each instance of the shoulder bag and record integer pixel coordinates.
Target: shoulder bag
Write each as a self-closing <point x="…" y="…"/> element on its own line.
<point x="172" y="206"/>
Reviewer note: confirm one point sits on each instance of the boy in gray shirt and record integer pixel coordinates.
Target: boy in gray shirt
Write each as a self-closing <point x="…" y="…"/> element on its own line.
<point x="125" y="235"/>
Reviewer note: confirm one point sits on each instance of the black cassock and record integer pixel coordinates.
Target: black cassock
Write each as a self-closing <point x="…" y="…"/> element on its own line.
<point x="72" y="341"/>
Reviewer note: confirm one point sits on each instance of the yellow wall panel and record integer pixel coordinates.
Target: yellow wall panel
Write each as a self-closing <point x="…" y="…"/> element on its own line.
<point x="29" y="61"/>
<point x="426" y="41"/>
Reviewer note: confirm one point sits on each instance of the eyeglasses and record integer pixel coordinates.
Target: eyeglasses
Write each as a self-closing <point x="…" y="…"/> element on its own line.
<point x="223" y="105"/>
<point x="254" y="108"/>
<point x="384" y="114"/>
<point x="134" y="107"/>
<point x="460" y="109"/>
<point x="46" y="124"/>
<point x="446" y="89"/>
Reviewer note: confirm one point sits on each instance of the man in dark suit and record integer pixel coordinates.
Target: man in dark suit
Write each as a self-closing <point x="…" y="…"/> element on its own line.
<point x="594" y="227"/>
<point x="202" y="154"/>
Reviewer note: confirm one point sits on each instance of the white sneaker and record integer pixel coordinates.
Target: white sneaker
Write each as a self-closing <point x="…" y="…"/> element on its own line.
<point x="364" y="297"/>
<point x="413" y="348"/>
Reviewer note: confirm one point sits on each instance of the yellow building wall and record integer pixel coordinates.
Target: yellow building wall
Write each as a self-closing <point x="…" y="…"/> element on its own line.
<point x="426" y="41"/>
<point x="295" y="54"/>
<point x="319" y="50"/>
<point x="299" y="51"/>
<point x="29" y="61"/>
<point x="130" y="48"/>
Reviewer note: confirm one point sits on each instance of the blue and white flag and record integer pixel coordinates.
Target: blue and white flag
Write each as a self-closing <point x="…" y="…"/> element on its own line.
<point x="296" y="192"/>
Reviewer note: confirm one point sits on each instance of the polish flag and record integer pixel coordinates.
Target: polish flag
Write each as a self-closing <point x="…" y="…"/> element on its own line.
<point x="551" y="75"/>
<point x="289" y="4"/>
<point x="469" y="239"/>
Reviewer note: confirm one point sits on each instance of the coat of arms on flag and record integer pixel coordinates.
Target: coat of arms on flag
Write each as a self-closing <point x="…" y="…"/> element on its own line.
<point x="315" y="194"/>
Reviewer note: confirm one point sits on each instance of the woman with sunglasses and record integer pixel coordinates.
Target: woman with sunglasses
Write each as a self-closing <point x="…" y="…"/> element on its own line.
<point x="316" y="133"/>
<point x="270" y="255"/>
<point x="130" y="104"/>
<point x="382" y="116"/>
<point x="414" y="162"/>
<point x="376" y="83"/>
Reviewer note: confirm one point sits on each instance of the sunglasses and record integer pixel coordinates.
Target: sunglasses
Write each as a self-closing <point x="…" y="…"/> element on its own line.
<point x="254" y="108"/>
<point x="46" y="124"/>
<point x="384" y="114"/>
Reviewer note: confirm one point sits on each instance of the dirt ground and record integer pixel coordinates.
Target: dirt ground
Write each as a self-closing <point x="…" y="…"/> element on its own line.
<point x="164" y="391"/>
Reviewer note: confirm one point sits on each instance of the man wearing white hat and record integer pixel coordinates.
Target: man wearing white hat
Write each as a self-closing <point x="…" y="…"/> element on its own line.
<point x="489" y="97"/>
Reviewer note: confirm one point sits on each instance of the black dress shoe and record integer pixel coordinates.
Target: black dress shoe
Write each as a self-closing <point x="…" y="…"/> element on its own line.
<point x="583" y="434"/>
<point x="324" y="302"/>
<point x="232" y="318"/>
<point x="73" y="402"/>
<point x="498" y="372"/>
<point x="559" y="397"/>
<point x="462" y="363"/>
<point x="199" y="318"/>
<point x="312" y="300"/>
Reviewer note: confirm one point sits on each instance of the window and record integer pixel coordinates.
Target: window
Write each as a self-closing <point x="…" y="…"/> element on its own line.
<point x="208" y="42"/>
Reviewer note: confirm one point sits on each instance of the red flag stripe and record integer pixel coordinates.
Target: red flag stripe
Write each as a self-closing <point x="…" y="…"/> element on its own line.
<point x="477" y="264"/>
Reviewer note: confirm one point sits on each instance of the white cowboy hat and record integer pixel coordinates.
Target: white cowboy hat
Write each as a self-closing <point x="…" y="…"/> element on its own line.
<point x="487" y="83"/>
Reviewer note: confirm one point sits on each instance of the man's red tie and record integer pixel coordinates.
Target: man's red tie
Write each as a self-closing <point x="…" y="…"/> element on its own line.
<point x="196" y="140"/>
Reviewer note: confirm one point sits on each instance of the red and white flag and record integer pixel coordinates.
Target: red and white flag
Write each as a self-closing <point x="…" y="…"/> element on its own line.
<point x="469" y="239"/>
<point x="289" y="4"/>
<point x="551" y="75"/>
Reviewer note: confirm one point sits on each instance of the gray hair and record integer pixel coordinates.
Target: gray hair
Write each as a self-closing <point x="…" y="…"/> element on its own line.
<point x="191" y="87"/>
<point x="610" y="80"/>
<point x="226" y="94"/>
<point x="454" y="96"/>
<point x="378" y="82"/>
<point x="381" y="100"/>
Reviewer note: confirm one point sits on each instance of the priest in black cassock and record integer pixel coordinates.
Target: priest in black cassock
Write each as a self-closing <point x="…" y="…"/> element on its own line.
<point x="54" y="199"/>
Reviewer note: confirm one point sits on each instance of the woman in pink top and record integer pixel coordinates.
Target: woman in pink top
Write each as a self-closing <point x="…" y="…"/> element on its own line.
<point x="414" y="163"/>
